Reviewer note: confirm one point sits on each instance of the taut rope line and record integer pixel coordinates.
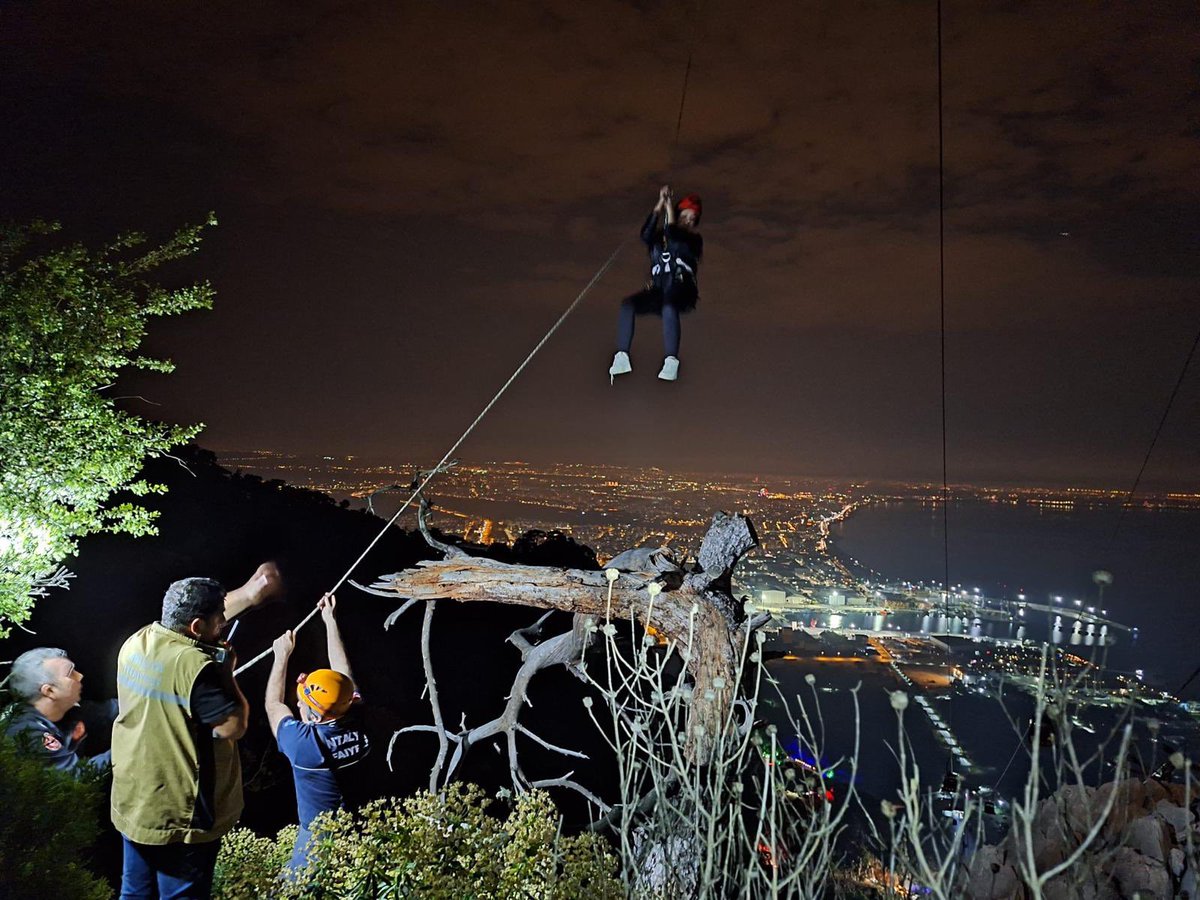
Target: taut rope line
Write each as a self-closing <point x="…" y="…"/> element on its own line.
<point x="521" y="368"/>
<point x="687" y="72"/>
<point x="942" y="304"/>
<point x="679" y="119"/>
<point x="1154" y="440"/>
<point x="429" y="477"/>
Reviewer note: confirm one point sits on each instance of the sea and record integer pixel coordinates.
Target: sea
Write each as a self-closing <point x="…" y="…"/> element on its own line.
<point x="1152" y="555"/>
<point x="1005" y="550"/>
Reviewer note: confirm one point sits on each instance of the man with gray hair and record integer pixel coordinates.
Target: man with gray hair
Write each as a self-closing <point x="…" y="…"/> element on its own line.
<point x="47" y="686"/>
<point x="177" y="782"/>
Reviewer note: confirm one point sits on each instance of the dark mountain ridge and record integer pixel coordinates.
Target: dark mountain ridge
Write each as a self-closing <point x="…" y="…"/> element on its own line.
<point x="222" y="524"/>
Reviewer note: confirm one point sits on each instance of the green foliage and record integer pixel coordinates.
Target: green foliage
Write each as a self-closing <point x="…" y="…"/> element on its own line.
<point x="249" y="865"/>
<point x="70" y="320"/>
<point x="429" y="847"/>
<point x="48" y="820"/>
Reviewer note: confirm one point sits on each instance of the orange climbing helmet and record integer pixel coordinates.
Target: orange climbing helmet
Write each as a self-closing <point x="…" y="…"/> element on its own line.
<point x="692" y="202"/>
<point x="326" y="692"/>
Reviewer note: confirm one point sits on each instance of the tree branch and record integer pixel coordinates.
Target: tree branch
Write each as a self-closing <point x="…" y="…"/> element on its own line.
<point x="700" y="618"/>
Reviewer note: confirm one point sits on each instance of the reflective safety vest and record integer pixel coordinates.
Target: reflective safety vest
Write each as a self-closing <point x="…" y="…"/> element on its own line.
<point x="172" y="779"/>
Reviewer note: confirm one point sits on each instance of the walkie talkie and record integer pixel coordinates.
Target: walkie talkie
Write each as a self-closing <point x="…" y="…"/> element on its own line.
<point x="221" y="651"/>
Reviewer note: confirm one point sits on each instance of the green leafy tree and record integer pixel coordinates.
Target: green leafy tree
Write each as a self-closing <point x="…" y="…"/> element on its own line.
<point x="48" y="822"/>
<point x="71" y="319"/>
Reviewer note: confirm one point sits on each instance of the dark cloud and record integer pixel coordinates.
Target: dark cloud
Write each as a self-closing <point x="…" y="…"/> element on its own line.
<point x="413" y="191"/>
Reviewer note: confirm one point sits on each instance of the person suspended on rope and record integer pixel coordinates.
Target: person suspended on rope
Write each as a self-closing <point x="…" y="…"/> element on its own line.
<point x="675" y="250"/>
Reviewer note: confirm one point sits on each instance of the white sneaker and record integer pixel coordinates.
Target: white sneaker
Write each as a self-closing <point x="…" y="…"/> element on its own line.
<point x="620" y="365"/>
<point x="670" y="369"/>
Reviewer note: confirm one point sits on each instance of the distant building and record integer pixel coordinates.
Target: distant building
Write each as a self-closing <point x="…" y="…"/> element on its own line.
<point x="837" y="598"/>
<point x="773" y="598"/>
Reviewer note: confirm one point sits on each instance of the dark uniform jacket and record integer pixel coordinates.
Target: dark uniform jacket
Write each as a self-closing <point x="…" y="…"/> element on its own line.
<point x="53" y="741"/>
<point x="675" y="252"/>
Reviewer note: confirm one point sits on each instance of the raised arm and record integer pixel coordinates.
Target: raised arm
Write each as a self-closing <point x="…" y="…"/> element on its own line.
<point x="263" y="585"/>
<point x="338" y="660"/>
<point x="233" y="726"/>
<point x="650" y="233"/>
<point x="276" y="699"/>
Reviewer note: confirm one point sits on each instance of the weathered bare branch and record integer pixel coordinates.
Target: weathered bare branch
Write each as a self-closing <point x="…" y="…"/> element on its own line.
<point x="411" y="728"/>
<point x="566" y="782"/>
<point x="521" y="637"/>
<point x="564" y="649"/>
<point x="431" y="685"/>
<point x="755" y="622"/>
<point x="565" y="752"/>
<point x="699" y="622"/>
<point x="370" y="590"/>
<point x="617" y="815"/>
<point x="450" y="551"/>
<point x="395" y="616"/>
<point x="727" y="540"/>
<point x="695" y="613"/>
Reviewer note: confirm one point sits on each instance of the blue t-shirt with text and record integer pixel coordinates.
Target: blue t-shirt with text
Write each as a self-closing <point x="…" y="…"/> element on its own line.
<point x="319" y="754"/>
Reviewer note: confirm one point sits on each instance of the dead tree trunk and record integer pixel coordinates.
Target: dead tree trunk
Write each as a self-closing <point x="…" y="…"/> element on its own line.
<point x="695" y="611"/>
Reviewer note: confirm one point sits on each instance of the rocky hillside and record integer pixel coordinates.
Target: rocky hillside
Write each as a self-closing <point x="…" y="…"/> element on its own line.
<point x="1146" y="848"/>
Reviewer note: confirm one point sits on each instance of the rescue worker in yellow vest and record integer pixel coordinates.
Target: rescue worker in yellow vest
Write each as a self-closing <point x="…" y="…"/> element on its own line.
<point x="177" y="781"/>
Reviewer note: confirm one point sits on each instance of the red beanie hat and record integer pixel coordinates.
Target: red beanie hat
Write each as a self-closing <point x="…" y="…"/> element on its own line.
<point x="692" y="202"/>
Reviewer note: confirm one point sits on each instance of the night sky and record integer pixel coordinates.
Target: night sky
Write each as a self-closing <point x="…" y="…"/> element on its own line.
<point x="411" y="193"/>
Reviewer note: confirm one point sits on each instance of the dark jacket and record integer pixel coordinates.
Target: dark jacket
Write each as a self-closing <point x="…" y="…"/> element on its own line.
<point x="675" y="252"/>
<point x="52" y="741"/>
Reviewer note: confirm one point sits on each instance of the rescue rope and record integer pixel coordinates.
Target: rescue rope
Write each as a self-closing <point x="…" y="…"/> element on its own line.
<point x="679" y="119"/>
<point x="521" y="368"/>
<point x="1004" y="771"/>
<point x="1154" y="440"/>
<point x="942" y="308"/>
<point x="687" y="71"/>
<point x="942" y="303"/>
<point x="1105" y="545"/>
<point x="438" y="468"/>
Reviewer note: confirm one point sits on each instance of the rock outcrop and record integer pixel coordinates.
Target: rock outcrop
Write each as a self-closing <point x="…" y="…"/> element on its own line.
<point x="1141" y="851"/>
